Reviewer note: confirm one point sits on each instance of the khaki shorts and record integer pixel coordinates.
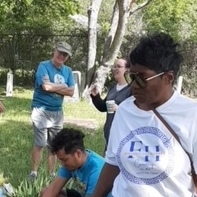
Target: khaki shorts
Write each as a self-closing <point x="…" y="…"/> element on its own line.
<point x="46" y="125"/>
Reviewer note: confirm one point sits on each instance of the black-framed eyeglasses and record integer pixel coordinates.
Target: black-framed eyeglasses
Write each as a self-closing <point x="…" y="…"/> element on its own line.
<point x="117" y="67"/>
<point x="141" y="82"/>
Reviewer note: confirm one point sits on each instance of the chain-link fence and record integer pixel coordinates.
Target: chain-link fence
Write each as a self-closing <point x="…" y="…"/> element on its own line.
<point x="22" y="53"/>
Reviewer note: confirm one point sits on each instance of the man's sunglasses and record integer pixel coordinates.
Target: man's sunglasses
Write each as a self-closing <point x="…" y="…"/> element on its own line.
<point x="140" y="81"/>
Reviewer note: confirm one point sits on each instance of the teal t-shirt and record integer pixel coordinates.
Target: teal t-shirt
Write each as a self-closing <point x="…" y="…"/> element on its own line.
<point x="84" y="179"/>
<point x="47" y="71"/>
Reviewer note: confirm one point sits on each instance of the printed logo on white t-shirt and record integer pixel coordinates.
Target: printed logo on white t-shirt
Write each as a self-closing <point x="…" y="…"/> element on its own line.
<point x="145" y="156"/>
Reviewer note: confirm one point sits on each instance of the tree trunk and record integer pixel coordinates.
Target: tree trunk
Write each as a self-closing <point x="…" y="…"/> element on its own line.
<point x="122" y="10"/>
<point x="118" y="26"/>
<point x="112" y="31"/>
<point x="92" y="38"/>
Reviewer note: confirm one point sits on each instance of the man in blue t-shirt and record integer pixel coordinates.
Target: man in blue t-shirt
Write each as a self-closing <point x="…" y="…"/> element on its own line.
<point x="80" y="167"/>
<point x="53" y="81"/>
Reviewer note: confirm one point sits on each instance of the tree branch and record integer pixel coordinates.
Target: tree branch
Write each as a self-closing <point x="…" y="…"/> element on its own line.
<point x="139" y="7"/>
<point x="111" y="34"/>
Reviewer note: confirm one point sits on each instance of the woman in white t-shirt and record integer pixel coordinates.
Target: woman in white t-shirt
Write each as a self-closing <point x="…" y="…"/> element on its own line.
<point x="143" y="158"/>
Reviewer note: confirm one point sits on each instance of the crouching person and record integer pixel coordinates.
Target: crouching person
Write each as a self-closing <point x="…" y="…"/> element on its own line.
<point x="80" y="167"/>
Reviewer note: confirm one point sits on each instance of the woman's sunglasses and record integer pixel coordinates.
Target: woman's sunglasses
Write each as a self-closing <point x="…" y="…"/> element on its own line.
<point x="141" y="82"/>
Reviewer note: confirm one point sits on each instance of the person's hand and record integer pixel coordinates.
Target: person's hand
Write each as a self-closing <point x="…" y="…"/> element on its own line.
<point x="114" y="107"/>
<point x="111" y="108"/>
<point x="2" y="108"/>
<point x="93" y="90"/>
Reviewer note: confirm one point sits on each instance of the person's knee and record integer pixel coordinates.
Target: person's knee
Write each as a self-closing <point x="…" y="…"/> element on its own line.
<point x="38" y="148"/>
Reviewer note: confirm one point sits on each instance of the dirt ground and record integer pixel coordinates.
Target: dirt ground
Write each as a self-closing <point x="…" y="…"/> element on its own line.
<point x="91" y="124"/>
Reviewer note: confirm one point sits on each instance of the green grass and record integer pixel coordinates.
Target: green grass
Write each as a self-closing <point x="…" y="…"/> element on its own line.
<point x="16" y="138"/>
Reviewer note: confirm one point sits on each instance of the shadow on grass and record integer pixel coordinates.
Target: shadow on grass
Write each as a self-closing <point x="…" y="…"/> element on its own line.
<point x="16" y="140"/>
<point x="17" y="104"/>
<point x="15" y="145"/>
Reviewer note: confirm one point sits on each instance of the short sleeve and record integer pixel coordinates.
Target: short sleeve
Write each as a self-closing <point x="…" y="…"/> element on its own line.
<point x="41" y="74"/>
<point x="92" y="182"/>
<point x="64" y="173"/>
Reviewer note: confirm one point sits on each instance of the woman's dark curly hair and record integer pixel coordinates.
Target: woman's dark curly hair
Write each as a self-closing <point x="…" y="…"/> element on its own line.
<point x="158" y="52"/>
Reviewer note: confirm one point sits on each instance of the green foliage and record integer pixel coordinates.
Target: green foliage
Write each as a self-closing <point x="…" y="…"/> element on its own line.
<point x="29" y="189"/>
<point x="3" y="179"/>
<point x="35" y="25"/>
<point x="163" y="15"/>
<point x="23" y="15"/>
<point x="170" y="16"/>
<point x="16" y="138"/>
<point x="188" y="27"/>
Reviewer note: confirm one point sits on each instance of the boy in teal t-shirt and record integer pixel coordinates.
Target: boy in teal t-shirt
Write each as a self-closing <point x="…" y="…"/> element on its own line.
<point x="80" y="167"/>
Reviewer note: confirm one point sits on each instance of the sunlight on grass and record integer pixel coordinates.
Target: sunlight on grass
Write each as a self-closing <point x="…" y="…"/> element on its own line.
<point x="83" y="110"/>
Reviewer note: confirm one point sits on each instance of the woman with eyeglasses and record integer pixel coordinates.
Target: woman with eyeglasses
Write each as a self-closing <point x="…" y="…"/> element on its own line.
<point x="152" y="149"/>
<point x="119" y="91"/>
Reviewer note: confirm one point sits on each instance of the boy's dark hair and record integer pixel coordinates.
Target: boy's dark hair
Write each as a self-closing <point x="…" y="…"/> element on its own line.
<point x="157" y="52"/>
<point x="68" y="138"/>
